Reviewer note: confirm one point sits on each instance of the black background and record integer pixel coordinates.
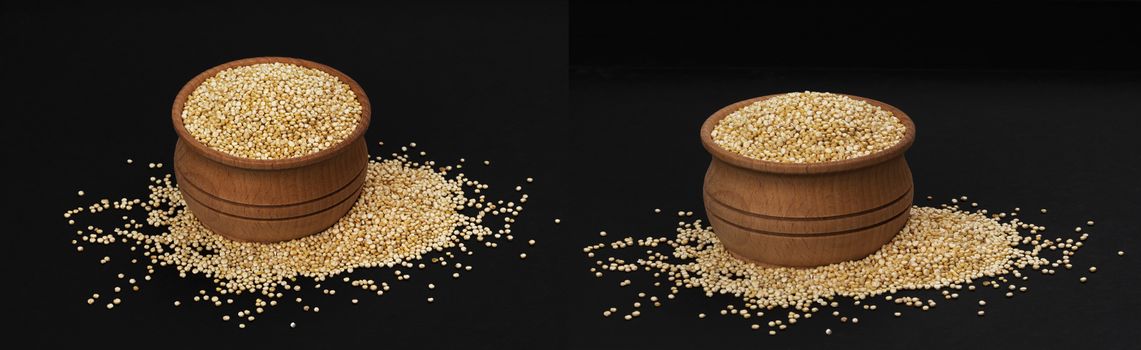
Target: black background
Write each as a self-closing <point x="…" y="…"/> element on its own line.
<point x="1029" y="105"/>
<point x="93" y="85"/>
<point x="1054" y="35"/>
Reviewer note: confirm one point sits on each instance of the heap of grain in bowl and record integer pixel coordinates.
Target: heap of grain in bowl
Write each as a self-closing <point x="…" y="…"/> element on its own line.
<point x="960" y="254"/>
<point x="808" y="127"/>
<point x="413" y="218"/>
<point x="271" y="111"/>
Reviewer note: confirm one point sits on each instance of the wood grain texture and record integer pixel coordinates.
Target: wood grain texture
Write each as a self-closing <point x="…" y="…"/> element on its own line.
<point x="270" y="200"/>
<point x="271" y="194"/>
<point x="269" y="230"/>
<point x="811" y="214"/>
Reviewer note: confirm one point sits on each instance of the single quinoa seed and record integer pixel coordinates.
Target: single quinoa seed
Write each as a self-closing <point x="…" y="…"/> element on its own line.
<point x="808" y="127"/>
<point x="271" y="111"/>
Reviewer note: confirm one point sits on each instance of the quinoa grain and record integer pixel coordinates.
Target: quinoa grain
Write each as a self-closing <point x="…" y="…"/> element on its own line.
<point x="943" y="248"/>
<point x="808" y="127"/>
<point x="271" y="111"/>
<point x="407" y="212"/>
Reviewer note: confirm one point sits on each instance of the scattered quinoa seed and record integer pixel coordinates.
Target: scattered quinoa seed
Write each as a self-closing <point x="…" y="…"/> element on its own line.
<point x="409" y="216"/>
<point x="946" y="249"/>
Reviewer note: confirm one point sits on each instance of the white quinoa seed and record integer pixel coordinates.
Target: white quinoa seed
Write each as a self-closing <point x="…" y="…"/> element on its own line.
<point x="406" y="212"/>
<point x="271" y="111"/>
<point x="424" y="201"/>
<point x="808" y="127"/>
<point x="939" y="248"/>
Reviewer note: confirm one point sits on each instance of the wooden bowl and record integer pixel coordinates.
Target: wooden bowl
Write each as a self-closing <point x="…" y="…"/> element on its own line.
<point x="273" y="200"/>
<point x="806" y="214"/>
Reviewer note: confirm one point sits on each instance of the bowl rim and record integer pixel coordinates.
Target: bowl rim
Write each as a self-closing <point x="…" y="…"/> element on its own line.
<point x="738" y="160"/>
<point x="285" y="163"/>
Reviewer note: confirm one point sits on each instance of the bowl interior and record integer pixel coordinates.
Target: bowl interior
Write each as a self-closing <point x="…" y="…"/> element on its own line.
<point x="722" y="154"/>
<point x="228" y="159"/>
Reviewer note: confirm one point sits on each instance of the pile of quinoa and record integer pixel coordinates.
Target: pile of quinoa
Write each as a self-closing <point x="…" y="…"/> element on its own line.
<point x="411" y="216"/>
<point x="943" y="248"/>
<point x="271" y="111"/>
<point x="808" y="127"/>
